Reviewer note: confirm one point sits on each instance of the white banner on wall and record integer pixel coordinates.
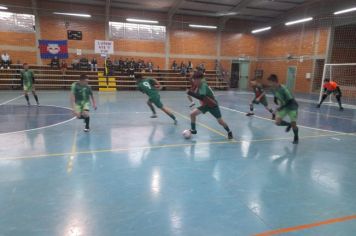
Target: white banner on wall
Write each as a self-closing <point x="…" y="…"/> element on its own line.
<point x="103" y="47"/>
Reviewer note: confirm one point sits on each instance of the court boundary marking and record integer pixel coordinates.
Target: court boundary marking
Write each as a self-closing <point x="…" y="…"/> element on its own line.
<point x="307" y="226"/>
<point x="8" y="101"/>
<point x="177" y="145"/>
<point x="303" y="126"/>
<point x="44" y="127"/>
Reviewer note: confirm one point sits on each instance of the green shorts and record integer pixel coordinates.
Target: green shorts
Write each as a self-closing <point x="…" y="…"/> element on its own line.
<point x="263" y="101"/>
<point x="28" y="87"/>
<point x="215" y="111"/>
<point x="82" y="107"/>
<point x="156" y="100"/>
<point x="292" y="113"/>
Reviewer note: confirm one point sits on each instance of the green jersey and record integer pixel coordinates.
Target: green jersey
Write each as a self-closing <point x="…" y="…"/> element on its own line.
<point x="147" y="86"/>
<point x="285" y="97"/>
<point x="27" y="77"/>
<point x="81" y="93"/>
<point x="209" y="97"/>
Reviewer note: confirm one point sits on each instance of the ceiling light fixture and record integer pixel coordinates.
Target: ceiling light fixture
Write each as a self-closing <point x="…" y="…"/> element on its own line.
<point x="203" y="26"/>
<point x="345" y="11"/>
<point x="142" y="21"/>
<point x="261" y="30"/>
<point x="72" y="14"/>
<point x="299" y="21"/>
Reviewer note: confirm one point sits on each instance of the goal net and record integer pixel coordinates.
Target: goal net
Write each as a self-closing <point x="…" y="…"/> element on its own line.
<point x="345" y="76"/>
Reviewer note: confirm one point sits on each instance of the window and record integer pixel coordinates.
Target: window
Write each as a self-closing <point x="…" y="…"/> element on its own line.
<point x="119" y="30"/>
<point x="16" y="22"/>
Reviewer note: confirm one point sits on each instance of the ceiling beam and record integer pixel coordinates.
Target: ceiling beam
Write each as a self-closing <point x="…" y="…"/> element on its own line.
<point x="237" y="8"/>
<point x="107" y="18"/>
<point x="175" y="7"/>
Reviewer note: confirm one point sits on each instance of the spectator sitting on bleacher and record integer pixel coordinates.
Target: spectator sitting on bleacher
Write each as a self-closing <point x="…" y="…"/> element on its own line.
<point x="183" y="69"/>
<point x="55" y="63"/>
<point x="94" y="64"/>
<point x="5" y="60"/>
<point x="131" y="71"/>
<point x="75" y="64"/>
<point x="190" y="66"/>
<point x="150" y="66"/>
<point x="64" y="67"/>
<point x="174" y="65"/>
<point x="84" y="64"/>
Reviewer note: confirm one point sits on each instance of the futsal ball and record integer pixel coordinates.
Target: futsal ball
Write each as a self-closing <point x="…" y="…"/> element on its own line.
<point x="187" y="134"/>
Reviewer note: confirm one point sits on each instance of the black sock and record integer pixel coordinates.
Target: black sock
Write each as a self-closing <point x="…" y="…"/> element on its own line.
<point x="323" y="98"/>
<point x="27" y="98"/>
<point x="87" y="122"/>
<point x="284" y="123"/>
<point x="339" y="101"/>
<point x="172" y="116"/>
<point x="193" y="126"/>
<point x="36" y="98"/>
<point x="152" y="108"/>
<point x="227" y="128"/>
<point x="295" y="131"/>
<point x="251" y="107"/>
<point x="270" y="110"/>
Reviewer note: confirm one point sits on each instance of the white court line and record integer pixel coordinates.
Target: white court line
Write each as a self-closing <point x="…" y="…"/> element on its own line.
<point x="44" y="127"/>
<point x="306" y="127"/>
<point x="6" y="102"/>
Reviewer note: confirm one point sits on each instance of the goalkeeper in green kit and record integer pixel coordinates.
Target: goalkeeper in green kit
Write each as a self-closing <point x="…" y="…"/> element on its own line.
<point x="28" y="82"/>
<point x="288" y="106"/>
<point x="150" y="87"/>
<point x="80" y="96"/>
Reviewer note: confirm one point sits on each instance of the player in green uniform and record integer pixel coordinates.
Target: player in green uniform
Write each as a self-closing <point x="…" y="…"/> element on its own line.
<point x="260" y="97"/>
<point x="208" y="103"/>
<point x="80" y="96"/>
<point x="28" y="82"/>
<point x="288" y="106"/>
<point x="150" y="87"/>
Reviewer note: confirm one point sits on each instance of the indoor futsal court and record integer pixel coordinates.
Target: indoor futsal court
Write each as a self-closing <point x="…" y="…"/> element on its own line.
<point x="177" y="117"/>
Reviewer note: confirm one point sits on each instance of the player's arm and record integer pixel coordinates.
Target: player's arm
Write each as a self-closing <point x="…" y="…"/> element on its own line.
<point x="93" y="100"/>
<point x="156" y="84"/>
<point x="288" y="101"/>
<point x="261" y="96"/>
<point x="200" y="94"/>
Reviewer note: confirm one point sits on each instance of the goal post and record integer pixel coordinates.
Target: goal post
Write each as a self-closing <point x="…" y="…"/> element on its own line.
<point x="344" y="74"/>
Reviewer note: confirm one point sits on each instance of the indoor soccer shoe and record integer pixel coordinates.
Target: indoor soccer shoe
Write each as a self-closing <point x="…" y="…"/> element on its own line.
<point x="229" y="135"/>
<point x="153" y="116"/>
<point x="296" y="140"/>
<point x="250" y="114"/>
<point x="193" y="131"/>
<point x="288" y="128"/>
<point x="86" y="129"/>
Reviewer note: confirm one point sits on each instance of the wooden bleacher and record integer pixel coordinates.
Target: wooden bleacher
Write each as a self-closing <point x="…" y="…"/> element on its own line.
<point x="49" y="78"/>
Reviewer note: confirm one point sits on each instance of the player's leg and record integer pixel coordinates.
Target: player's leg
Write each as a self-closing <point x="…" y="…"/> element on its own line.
<point x="35" y="95"/>
<point x="169" y="113"/>
<point x="338" y="96"/>
<point x="193" y="118"/>
<point x="85" y="116"/>
<point x="192" y="103"/>
<point x="264" y="102"/>
<point x="323" y="97"/>
<point x="279" y="119"/>
<point x="26" y="96"/>
<point x="293" y="115"/>
<point x="215" y="111"/>
<point x="251" y="113"/>
<point x="150" y="105"/>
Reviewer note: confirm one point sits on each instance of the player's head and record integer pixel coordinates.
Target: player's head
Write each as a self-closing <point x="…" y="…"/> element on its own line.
<point x="273" y="80"/>
<point x="25" y="66"/>
<point x="83" y="79"/>
<point x="326" y="80"/>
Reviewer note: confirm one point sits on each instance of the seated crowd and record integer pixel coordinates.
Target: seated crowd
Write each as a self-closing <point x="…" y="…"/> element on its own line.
<point x="5" y="60"/>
